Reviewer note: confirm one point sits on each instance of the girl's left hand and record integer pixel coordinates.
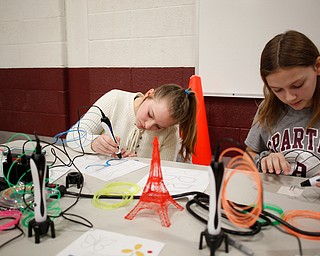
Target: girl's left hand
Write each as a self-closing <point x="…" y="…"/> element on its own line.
<point x="275" y="162"/>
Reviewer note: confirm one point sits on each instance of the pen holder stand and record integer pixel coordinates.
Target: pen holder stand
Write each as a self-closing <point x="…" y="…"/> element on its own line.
<point x="214" y="241"/>
<point x="41" y="228"/>
<point x="74" y="178"/>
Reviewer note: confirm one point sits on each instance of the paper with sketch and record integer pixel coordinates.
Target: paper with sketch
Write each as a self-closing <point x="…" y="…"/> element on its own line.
<point x="178" y="180"/>
<point x="98" y="166"/>
<point x="290" y="191"/>
<point x="99" y="242"/>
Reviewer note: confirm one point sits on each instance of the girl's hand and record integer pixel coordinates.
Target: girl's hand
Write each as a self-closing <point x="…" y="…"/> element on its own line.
<point x="105" y="145"/>
<point x="125" y="153"/>
<point x="275" y="163"/>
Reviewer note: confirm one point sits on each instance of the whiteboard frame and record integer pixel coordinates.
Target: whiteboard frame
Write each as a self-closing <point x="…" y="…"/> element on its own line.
<point x="242" y="71"/>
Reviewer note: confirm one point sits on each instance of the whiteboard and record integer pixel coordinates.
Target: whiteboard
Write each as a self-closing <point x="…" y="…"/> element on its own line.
<point x="232" y="34"/>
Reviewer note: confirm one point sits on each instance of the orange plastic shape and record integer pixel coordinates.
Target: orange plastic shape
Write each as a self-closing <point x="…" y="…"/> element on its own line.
<point x="202" y="154"/>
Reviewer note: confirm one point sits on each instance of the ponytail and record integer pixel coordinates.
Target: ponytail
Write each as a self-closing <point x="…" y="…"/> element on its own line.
<point x="183" y="108"/>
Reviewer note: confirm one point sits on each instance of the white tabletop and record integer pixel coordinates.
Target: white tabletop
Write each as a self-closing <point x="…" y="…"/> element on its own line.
<point x="183" y="236"/>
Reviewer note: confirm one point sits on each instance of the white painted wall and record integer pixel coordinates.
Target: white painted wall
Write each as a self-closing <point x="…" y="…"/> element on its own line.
<point x="97" y="33"/>
<point x="32" y="33"/>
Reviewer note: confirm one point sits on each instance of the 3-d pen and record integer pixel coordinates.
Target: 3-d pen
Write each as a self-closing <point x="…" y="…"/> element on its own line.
<point x="106" y="124"/>
<point x="38" y="172"/>
<point x="215" y="180"/>
<point x="310" y="182"/>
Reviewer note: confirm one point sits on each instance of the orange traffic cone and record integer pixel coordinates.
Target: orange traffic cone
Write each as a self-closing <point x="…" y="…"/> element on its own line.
<point x="202" y="153"/>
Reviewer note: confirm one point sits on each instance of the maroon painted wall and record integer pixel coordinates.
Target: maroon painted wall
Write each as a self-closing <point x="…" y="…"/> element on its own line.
<point x="33" y="100"/>
<point x="46" y="100"/>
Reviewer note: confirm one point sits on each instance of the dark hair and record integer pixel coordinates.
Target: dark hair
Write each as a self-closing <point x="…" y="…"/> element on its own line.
<point x="183" y="109"/>
<point x="287" y="50"/>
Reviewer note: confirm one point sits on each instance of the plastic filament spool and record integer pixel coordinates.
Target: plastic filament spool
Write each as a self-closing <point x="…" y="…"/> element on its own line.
<point x="13" y="215"/>
<point x="124" y="189"/>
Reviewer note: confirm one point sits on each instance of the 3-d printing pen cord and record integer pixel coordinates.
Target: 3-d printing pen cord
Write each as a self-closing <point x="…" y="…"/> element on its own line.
<point x="66" y="192"/>
<point x="202" y="199"/>
<point x="246" y="216"/>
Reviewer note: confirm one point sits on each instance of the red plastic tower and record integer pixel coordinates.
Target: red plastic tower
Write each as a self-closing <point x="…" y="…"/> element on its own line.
<point x="155" y="195"/>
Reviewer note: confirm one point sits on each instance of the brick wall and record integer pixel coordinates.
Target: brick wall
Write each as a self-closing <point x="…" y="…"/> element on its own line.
<point x="57" y="55"/>
<point x="33" y="100"/>
<point x="46" y="100"/>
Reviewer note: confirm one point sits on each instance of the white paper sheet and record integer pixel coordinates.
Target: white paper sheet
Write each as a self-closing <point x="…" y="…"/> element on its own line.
<point x="290" y="191"/>
<point x="178" y="180"/>
<point x="97" y="242"/>
<point x="95" y="165"/>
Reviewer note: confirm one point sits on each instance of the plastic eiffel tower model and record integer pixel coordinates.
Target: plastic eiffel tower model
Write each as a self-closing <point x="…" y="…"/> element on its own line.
<point x="155" y="195"/>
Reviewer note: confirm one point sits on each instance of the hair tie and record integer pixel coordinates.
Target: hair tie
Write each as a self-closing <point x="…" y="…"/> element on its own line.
<point x="187" y="91"/>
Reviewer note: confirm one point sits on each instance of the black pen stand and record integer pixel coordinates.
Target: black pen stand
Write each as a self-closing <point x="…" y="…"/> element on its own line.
<point x="40" y="229"/>
<point x="214" y="241"/>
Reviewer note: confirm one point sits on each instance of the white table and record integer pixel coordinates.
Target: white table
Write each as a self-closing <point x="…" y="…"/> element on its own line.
<point x="182" y="237"/>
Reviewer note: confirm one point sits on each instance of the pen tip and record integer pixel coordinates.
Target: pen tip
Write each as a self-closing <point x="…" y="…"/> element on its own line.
<point x="305" y="183"/>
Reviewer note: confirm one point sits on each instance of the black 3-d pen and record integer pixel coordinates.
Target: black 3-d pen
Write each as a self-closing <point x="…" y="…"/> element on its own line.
<point x="106" y="124"/>
<point x="310" y="182"/>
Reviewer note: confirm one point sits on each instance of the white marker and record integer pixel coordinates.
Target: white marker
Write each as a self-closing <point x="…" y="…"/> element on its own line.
<point x="310" y="182"/>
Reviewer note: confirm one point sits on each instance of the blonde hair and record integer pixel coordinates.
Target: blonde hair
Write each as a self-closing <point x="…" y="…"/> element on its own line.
<point x="183" y="109"/>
